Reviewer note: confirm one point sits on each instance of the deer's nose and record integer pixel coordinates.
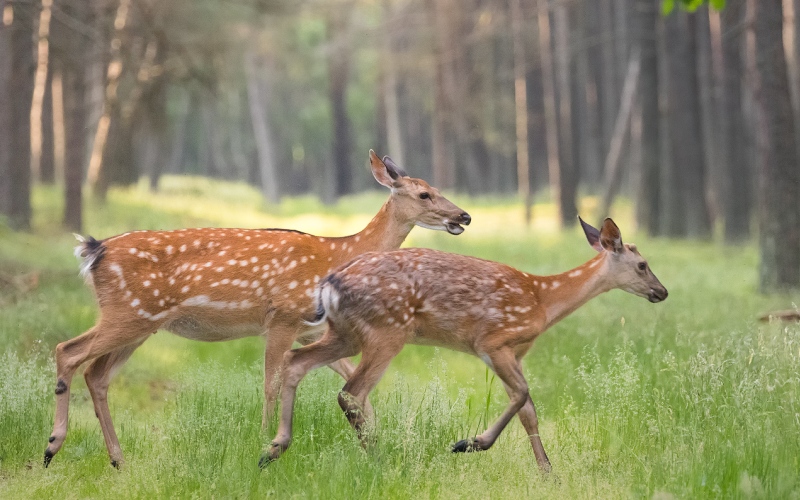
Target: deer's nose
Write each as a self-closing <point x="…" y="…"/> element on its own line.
<point x="466" y="219"/>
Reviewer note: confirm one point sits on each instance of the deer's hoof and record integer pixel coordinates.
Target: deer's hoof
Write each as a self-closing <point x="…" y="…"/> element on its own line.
<point x="466" y="446"/>
<point x="266" y="459"/>
<point x="48" y="456"/>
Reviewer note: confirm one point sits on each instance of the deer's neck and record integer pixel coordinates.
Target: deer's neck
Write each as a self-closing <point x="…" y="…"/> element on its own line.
<point x="561" y="294"/>
<point x="386" y="231"/>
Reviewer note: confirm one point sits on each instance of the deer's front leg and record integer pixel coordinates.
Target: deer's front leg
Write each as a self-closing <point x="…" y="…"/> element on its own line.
<point x="504" y="364"/>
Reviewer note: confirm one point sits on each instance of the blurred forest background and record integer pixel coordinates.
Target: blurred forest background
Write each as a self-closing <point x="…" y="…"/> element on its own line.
<point x="692" y="111"/>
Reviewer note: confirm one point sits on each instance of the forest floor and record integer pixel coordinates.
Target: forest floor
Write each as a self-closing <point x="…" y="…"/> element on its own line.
<point x="690" y="398"/>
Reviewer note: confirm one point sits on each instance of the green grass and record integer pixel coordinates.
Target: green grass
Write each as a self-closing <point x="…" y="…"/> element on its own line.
<point x="692" y="398"/>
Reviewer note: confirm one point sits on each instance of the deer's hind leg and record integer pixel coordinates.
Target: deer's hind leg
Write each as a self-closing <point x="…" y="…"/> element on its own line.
<point x="375" y="358"/>
<point x="296" y="364"/>
<point x="98" y="376"/>
<point x="106" y="336"/>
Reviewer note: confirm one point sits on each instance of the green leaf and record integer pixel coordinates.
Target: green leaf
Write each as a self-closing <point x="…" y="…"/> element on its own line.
<point x="667" y="6"/>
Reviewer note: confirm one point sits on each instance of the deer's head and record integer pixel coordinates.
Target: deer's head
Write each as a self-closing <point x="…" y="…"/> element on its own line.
<point x="417" y="201"/>
<point x="627" y="270"/>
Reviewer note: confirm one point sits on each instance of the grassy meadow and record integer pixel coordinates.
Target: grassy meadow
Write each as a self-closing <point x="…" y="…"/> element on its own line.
<point x="690" y="398"/>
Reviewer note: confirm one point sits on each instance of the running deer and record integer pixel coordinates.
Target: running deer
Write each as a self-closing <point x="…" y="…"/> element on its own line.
<point x="379" y="302"/>
<point x="223" y="284"/>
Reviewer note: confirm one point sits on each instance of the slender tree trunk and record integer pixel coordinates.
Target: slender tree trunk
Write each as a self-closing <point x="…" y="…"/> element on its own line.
<point x="779" y="214"/>
<point x="609" y="85"/>
<point x="47" y="161"/>
<point x="111" y="113"/>
<point x="648" y="206"/>
<point x="259" y="103"/>
<point x="5" y="115"/>
<point x="394" y="138"/>
<point x="442" y="137"/>
<point x="706" y="83"/>
<point x="686" y="213"/>
<point x="587" y="137"/>
<point x="21" y="89"/>
<point x="178" y="148"/>
<point x="568" y="176"/>
<point x="549" y="95"/>
<point x="737" y="180"/>
<point x="521" y="106"/>
<point x="339" y="75"/>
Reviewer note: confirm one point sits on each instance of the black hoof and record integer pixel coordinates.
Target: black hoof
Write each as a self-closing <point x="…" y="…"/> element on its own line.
<point x="115" y="464"/>
<point x="265" y="460"/>
<point x="48" y="456"/>
<point x="466" y="446"/>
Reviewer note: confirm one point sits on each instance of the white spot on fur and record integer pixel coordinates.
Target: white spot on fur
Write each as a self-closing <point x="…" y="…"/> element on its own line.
<point x="292" y="285"/>
<point x="575" y="273"/>
<point x="135" y="302"/>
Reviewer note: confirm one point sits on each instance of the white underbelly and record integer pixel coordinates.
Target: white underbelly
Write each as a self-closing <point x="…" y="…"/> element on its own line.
<point x="192" y="327"/>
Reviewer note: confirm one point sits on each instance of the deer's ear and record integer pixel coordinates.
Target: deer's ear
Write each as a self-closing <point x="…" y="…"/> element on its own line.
<point x="592" y="235"/>
<point x="610" y="237"/>
<point x="394" y="171"/>
<point x="380" y="170"/>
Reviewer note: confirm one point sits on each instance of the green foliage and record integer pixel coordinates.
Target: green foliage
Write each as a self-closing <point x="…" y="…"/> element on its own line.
<point x="691" y="5"/>
<point x="691" y="398"/>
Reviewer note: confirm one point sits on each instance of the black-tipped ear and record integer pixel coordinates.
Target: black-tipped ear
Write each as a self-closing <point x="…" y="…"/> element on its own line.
<point x="610" y="237"/>
<point x="394" y="170"/>
<point x="379" y="170"/>
<point x="592" y="235"/>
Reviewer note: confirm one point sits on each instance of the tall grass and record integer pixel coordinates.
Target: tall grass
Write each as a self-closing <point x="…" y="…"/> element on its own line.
<point x="691" y="398"/>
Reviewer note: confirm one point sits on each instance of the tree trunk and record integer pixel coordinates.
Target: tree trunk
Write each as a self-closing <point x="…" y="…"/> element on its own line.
<point x="648" y="205"/>
<point x="779" y="214"/>
<point x="441" y="133"/>
<point x="609" y="88"/>
<point x="5" y="115"/>
<point x="21" y="90"/>
<point x="521" y="107"/>
<point x="568" y="176"/>
<point x="394" y="138"/>
<point x="338" y="77"/>
<point x="706" y="82"/>
<point x="47" y="160"/>
<point x="686" y="213"/>
<point x="549" y="96"/>
<point x="259" y="103"/>
<point x="736" y="179"/>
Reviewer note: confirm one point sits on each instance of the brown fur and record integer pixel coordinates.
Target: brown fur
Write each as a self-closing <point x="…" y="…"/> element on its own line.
<point x="221" y="284"/>
<point x="382" y="301"/>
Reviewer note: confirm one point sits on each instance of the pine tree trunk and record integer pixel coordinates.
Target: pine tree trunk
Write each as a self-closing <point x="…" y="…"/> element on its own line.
<point x="338" y="77"/>
<point x="736" y="179"/>
<point x="521" y="107"/>
<point x="21" y="94"/>
<point x="47" y="160"/>
<point x="779" y="211"/>
<point x="648" y="205"/>
<point x="568" y="176"/>
<point x="686" y="213"/>
<point x="5" y="116"/>
<point x="258" y="102"/>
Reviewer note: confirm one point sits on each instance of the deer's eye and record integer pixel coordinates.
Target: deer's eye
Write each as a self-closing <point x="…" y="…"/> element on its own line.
<point x="642" y="266"/>
<point x="424" y="196"/>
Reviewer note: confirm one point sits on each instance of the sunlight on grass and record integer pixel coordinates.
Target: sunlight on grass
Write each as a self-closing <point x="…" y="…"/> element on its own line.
<point x="692" y="398"/>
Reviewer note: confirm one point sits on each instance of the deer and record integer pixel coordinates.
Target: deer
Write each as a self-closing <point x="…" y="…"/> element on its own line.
<point x="213" y="284"/>
<point x="379" y="302"/>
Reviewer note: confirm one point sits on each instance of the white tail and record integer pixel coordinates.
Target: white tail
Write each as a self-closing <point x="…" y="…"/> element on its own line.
<point x="380" y="302"/>
<point x="221" y="284"/>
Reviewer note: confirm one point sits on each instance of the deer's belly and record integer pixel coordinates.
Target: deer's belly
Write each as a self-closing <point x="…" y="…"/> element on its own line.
<point x="196" y="328"/>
